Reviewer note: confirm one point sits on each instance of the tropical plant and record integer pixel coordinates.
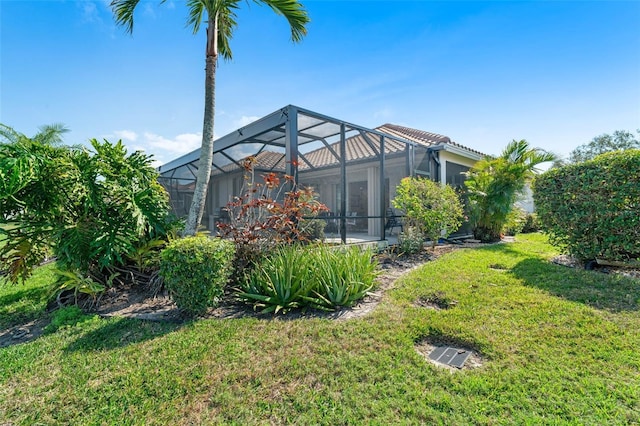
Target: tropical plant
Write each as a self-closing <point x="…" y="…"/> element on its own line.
<point x="494" y="184"/>
<point x="267" y="215"/>
<point x="309" y="276"/>
<point x="344" y="276"/>
<point x="220" y="16"/>
<point x="282" y="281"/>
<point x="432" y="209"/>
<point x="195" y="271"/>
<point x="516" y="221"/>
<point x="92" y="210"/>
<point x="75" y="284"/>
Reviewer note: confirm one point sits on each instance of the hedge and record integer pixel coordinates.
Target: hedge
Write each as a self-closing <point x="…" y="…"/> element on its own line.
<point x="195" y="271"/>
<point x="592" y="209"/>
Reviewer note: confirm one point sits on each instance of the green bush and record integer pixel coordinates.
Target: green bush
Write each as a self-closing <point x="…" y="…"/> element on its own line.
<point x="313" y="229"/>
<point x="411" y="240"/>
<point x="195" y="271"/>
<point x="593" y="208"/>
<point x="516" y="220"/>
<point x="430" y="208"/>
<point x="531" y="224"/>
<point x="309" y="276"/>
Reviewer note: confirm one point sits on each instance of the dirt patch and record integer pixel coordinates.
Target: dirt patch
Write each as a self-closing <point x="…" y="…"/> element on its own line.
<point x="572" y="262"/>
<point x="437" y="301"/>
<point x="22" y="333"/>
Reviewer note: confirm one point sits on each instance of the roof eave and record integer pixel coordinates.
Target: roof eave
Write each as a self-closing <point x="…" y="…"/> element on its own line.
<point x="458" y="150"/>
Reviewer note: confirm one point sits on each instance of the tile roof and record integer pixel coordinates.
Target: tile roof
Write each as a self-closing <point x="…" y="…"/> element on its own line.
<point x="421" y="137"/>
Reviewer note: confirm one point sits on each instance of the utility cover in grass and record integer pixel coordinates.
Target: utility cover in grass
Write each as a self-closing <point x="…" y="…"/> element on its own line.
<point x="453" y="357"/>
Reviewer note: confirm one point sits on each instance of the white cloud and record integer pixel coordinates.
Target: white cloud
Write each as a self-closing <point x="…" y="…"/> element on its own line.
<point x="181" y="144"/>
<point x="128" y="135"/>
<point x="244" y="120"/>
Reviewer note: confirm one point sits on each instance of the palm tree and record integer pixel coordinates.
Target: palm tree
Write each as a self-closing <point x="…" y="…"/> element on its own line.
<point x="220" y="16"/>
<point x="49" y="134"/>
<point x="494" y="184"/>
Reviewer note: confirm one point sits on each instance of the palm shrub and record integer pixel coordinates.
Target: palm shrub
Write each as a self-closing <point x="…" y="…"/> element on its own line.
<point x="431" y="209"/>
<point x="195" y="271"/>
<point x="494" y="184"/>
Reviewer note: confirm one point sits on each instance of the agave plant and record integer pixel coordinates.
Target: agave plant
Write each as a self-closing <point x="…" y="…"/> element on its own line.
<point x="344" y="277"/>
<point x="281" y="281"/>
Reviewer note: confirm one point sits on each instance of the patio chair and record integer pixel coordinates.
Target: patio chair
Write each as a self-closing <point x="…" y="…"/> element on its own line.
<point x="393" y="221"/>
<point x="351" y="219"/>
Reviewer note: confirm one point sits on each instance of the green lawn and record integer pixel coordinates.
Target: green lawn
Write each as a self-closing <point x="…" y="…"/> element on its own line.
<point x="560" y="346"/>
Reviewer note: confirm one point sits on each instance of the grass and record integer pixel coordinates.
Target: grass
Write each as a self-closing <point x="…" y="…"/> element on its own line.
<point x="560" y="346"/>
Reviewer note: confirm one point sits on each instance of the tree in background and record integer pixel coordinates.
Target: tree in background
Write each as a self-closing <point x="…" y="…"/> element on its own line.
<point x="494" y="184"/>
<point x="620" y="140"/>
<point x="431" y="210"/>
<point x="220" y="16"/>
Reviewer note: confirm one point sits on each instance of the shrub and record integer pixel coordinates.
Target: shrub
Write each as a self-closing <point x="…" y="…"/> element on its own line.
<point x="531" y="224"/>
<point x="309" y="276"/>
<point x="430" y="208"/>
<point x="267" y="215"/>
<point x="592" y="209"/>
<point x="91" y="209"/>
<point x="411" y="240"/>
<point x="282" y="280"/>
<point x="313" y="229"/>
<point x="195" y="271"/>
<point x="516" y="220"/>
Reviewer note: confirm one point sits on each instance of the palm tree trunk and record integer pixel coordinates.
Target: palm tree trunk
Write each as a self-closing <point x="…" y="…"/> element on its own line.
<point x="206" y="151"/>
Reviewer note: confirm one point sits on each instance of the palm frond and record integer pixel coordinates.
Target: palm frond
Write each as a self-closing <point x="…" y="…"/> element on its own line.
<point x="8" y="135"/>
<point x="294" y="12"/>
<point x="197" y="9"/>
<point x="123" y="13"/>
<point x="51" y="134"/>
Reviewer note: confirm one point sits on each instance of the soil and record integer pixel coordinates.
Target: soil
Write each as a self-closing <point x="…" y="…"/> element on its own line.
<point x="134" y="302"/>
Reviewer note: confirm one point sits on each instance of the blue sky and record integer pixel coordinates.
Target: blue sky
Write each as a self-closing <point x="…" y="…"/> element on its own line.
<point x="556" y="73"/>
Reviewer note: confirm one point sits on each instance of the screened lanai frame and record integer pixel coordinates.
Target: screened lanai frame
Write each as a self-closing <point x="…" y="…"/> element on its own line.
<point x="309" y="148"/>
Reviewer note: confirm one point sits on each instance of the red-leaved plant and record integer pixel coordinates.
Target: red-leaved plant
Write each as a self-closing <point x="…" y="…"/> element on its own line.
<point x="267" y="215"/>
